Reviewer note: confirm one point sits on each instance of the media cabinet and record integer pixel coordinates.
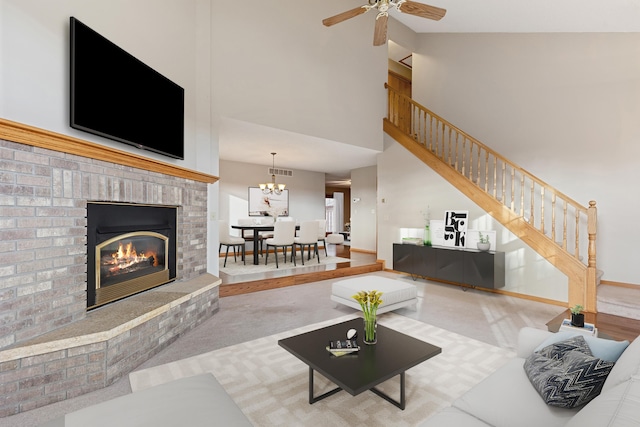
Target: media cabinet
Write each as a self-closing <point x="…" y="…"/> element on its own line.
<point x="484" y="269"/>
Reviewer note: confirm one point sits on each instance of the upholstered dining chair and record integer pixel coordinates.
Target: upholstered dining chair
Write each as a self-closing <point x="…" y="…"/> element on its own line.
<point x="247" y="235"/>
<point x="322" y="234"/>
<point x="230" y="241"/>
<point x="308" y="237"/>
<point x="283" y="235"/>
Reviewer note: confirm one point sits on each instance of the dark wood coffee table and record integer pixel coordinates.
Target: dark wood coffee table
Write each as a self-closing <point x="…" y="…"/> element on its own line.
<point x="358" y="372"/>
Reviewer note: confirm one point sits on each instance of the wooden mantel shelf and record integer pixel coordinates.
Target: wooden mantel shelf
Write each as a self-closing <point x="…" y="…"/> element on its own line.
<point x="36" y="137"/>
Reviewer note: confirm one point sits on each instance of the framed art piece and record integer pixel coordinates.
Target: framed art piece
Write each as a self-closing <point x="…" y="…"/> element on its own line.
<point x="455" y="228"/>
<point x="261" y="204"/>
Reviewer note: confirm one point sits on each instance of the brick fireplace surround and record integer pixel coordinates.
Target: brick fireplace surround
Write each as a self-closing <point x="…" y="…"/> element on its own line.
<point x="51" y="348"/>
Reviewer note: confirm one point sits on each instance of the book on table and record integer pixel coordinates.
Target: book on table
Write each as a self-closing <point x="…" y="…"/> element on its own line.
<point x="588" y="329"/>
<point x="343" y="346"/>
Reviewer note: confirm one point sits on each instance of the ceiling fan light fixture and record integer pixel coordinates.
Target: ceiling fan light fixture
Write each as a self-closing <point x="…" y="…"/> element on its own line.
<point x="403" y="6"/>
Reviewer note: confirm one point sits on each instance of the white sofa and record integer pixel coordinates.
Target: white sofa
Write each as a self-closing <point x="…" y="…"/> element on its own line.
<point x="507" y="398"/>
<point x="196" y="401"/>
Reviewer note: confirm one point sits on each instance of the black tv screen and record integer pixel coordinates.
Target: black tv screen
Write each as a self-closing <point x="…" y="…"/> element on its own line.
<point x="117" y="96"/>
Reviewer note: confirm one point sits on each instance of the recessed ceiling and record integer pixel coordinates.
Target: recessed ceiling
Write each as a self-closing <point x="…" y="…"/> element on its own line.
<point x="245" y="142"/>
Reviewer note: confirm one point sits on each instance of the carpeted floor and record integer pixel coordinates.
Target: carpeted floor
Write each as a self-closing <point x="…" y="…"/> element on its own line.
<point x="271" y="386"/>
<point x="491" y="318"/>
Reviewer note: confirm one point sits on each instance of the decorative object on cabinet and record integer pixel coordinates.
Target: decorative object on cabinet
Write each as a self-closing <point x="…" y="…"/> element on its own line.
<point x="455" y="228"/>
<point x="483" y="242"/>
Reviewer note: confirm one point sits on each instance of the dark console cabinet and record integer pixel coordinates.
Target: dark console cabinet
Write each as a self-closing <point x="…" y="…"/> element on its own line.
<point x="465" y="266"/>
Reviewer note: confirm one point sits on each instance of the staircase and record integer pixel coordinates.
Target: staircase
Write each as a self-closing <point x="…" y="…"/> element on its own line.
<point x="557" y="227"/>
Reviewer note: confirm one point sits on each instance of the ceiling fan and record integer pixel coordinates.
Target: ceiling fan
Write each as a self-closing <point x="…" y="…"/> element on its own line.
<point x="380" y="32"/>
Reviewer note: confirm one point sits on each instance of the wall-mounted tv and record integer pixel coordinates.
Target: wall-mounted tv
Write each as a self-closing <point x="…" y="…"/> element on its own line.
<point x="117" y="96"/>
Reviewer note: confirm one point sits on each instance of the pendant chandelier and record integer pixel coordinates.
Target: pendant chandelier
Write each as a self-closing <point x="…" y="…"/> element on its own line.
<point x="272" y="187"/>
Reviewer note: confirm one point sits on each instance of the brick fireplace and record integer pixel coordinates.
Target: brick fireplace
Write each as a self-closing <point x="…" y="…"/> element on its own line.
<point x="47" y="181"/>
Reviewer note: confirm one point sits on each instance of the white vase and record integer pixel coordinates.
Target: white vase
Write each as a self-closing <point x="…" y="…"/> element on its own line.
<point x="483" y="246"/>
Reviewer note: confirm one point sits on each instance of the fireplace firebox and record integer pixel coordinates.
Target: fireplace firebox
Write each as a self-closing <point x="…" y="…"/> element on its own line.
<point x="130" y="248"/>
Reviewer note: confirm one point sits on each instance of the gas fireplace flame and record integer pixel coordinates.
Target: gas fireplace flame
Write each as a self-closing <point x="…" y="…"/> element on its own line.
<point x="127" y="256"/>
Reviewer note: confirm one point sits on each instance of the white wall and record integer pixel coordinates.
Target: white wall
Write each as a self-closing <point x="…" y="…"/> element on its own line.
<point x="407" y="187"/>
<point x="306" y="191"/>
<point x="363" y="212"/>
<point x="164" y="34"/>
<point x="171" y="36"/>
<point x="563" y="106"/>
<point x="275" y="64"/>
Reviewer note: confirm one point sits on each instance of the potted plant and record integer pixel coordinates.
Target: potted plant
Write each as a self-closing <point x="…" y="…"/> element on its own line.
<point x="577" y="316"/>
<point x="483" y="242"/>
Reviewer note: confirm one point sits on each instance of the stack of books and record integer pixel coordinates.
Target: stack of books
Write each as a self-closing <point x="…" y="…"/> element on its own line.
<point x="588" y="329"/>
<point x="342" y="347"/>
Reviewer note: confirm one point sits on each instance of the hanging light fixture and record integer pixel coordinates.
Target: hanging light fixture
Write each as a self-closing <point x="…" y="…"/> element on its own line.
<point x="272" y="187"/>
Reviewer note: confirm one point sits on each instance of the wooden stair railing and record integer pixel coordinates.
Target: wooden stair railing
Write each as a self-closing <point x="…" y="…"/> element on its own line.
<point x="553" y="224"/>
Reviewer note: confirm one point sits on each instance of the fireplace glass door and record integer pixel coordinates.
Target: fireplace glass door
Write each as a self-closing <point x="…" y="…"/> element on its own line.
<point x="132" y="248"/>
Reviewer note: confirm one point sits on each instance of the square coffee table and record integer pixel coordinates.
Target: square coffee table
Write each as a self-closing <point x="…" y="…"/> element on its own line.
<point x="355" y="373"/>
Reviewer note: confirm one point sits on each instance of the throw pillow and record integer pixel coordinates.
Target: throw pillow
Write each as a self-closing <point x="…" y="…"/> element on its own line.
<point x="570" y="381"/>
<point x="602" y="348"/>
<point x="557" y="350"/>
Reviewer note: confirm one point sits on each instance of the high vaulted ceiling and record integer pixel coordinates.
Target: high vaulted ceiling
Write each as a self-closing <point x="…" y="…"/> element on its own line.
<point x="520" y="16"/>
<point x="245" y="142"/>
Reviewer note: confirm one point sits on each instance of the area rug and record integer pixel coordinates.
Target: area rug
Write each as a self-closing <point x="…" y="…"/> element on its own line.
<point x="271" y="386"/>
<point x="238" y="268"/>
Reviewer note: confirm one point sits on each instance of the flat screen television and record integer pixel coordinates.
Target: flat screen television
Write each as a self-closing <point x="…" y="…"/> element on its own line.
<point x="117" y="96"/>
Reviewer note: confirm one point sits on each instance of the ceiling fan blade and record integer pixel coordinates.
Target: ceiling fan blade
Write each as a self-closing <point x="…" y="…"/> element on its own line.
<point x="380" y="31"/>
<point x="422" y="10"/>
<point x="345" y="15"/>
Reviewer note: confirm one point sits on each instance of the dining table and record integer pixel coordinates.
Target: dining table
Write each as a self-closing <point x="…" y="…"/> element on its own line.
<point x="257" y="228"/>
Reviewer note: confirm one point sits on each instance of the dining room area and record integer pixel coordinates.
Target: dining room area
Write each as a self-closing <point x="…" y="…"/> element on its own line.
<point x="253" y="258"/>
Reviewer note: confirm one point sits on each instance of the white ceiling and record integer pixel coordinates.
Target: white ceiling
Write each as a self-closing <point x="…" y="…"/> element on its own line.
<point x="527" y="16"/>
<point x="250" y="143"/>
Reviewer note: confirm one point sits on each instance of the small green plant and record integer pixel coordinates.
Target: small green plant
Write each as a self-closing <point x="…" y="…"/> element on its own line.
<point x="483" y="238"/>
<point x="576" y="309"/>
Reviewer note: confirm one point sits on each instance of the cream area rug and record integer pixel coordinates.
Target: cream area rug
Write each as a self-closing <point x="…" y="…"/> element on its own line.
<point x="271" y="386"/>
<point x="238" y="268"/>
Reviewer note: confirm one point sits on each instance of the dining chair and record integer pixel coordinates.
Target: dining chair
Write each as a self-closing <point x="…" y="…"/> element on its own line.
<point x="322" y="234"/>
<point x="247" y="235"/>
<point x="283" y="235"/>
<point x="266" y="220"/>
<point x="230" y="241"/>
<point x="308" y="237"/>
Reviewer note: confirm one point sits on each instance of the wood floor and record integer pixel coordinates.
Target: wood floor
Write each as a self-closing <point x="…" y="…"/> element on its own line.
<point x="359" y="263"/>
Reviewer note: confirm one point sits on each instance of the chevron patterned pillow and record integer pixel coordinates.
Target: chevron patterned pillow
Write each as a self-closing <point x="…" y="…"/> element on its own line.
<point x="566" y="376"/>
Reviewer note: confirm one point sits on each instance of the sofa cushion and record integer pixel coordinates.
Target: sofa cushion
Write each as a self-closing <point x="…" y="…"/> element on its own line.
<point x="506" y="398"/>
<point x="626" y="366"/>
<point x="570" y="381"/>
<point x="452" y="417"/>
<point x="615" y="407"/>
<point x="600" y="347"/>
<point x="191" y="401"/>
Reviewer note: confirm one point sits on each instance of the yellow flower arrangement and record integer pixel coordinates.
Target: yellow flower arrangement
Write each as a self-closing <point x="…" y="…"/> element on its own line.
<point x="369" y="301"/>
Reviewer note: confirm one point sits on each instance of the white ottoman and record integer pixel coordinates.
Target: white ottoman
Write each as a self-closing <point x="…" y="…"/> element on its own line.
<point x="335" y="238"/>
<point x="395" y="294"/>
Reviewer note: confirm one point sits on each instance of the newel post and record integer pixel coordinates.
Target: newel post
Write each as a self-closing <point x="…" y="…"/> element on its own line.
<point x="591" y="290"/>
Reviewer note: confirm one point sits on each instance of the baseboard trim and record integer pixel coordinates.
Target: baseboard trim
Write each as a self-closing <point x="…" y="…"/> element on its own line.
<point x="619" y="284"/>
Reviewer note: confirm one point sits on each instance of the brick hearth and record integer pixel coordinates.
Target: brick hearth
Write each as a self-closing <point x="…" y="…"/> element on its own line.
<point x="51" y="349"/>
